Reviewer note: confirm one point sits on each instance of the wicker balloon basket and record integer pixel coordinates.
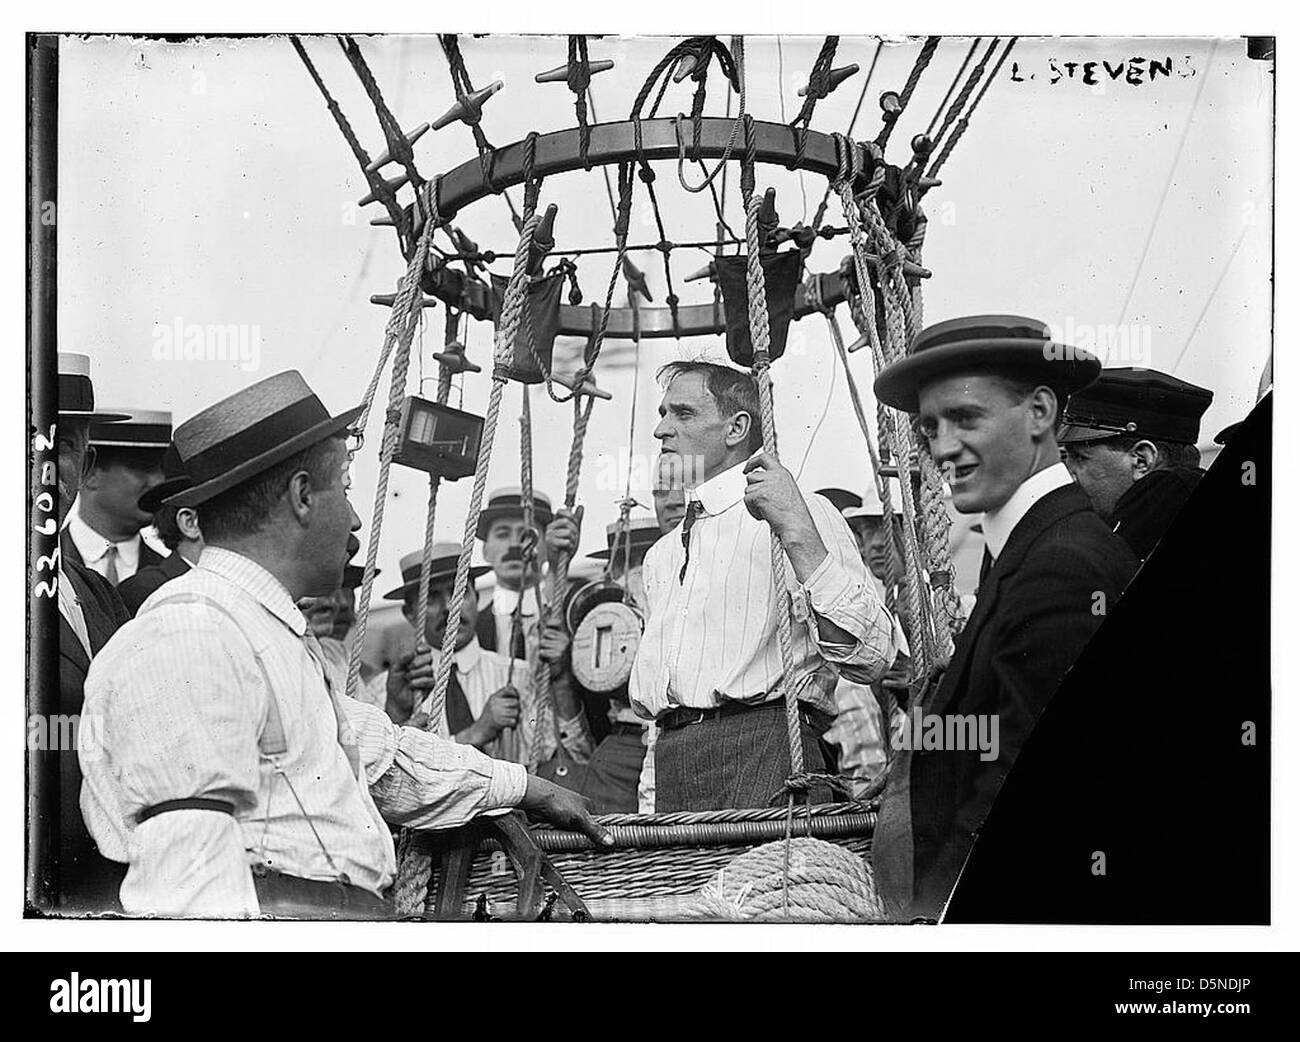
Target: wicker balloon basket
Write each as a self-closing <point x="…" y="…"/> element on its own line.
<point x="662" y="867"/>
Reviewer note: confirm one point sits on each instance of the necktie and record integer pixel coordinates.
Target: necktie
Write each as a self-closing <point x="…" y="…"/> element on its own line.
<point x="346" y="737"/>
<point x="110" y="563"/>
<point x="459" y="715"/>
<point x="985" y="564"/>
<point x="693" y="510"/>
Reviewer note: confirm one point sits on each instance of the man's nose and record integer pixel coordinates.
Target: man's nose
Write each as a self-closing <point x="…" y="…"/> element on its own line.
<point x="356" y="521"/>
<point x="945" y="446"/>
<point x="663" y="428"/>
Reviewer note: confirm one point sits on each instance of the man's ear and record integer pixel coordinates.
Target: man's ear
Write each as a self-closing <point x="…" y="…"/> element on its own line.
<point x="1144" y="456"/>
<point x="300" y="495"/>
<point x="738" y="429"/>
<point x="1043" y="410"/>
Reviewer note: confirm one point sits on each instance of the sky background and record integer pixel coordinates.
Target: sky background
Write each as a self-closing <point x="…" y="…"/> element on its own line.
<point x="206" y="183"/>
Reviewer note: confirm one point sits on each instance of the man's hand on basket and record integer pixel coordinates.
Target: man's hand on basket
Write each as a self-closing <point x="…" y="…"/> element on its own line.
<point x="562" y="808"/>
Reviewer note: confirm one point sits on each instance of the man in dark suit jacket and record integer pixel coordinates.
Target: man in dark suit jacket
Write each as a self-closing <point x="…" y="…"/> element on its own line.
<point x="86" y="880"/>
<point x="988" y="392"/>
<point x="103" y="532"/>
<point x="90" y="612"/>
<point x="178" y="528"/>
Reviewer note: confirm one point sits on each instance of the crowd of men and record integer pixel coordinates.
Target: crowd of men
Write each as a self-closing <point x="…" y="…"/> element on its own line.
<point x="233" y="771"/>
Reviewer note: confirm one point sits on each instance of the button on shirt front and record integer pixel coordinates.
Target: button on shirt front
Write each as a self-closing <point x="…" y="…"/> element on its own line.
<point x="711" y="628"/>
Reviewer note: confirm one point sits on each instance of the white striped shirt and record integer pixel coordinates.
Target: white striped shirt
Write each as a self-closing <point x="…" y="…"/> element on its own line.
<point x="712" y="635"/>
<point x="180" y="699"/>
<point x="481" y="674"/>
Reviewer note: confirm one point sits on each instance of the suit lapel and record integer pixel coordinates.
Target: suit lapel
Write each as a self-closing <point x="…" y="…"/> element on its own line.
<point x="69" y="549"/>
<point x="70" y="647"/>
<point x="174" y="565"/>
<point x="1054" y="506"/>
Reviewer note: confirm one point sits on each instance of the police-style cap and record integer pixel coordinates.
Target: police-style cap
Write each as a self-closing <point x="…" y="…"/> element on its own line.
<point x="990" y="344"/>
<point x="1142" y="403"/>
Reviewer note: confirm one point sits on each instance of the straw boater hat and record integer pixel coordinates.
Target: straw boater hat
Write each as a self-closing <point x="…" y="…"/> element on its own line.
<point x="250" y="432"/>
<point x="77" y="393"/>
<point x="509" y="502"/>
<point x="643" y="533"/>
<point x="442" y="567"/>
<point x="174" y="480"/>
<point x="871" y="505"/>
<point x="985" y="343"/>
<point x="144" y="429"/>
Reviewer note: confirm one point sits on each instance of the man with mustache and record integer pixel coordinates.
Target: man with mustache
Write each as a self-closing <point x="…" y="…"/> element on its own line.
<point x="988" y="392"/>
<point x="490" y="700"/>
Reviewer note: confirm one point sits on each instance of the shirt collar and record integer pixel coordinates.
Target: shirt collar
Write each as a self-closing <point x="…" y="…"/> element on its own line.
<point x="722" y="491"/>
<point x="999" y="524"/>
<point x="257" y="582"/>
<point x="468" y="657"/>
<point x="504" y="601"/>
<point x="92" y="546"/>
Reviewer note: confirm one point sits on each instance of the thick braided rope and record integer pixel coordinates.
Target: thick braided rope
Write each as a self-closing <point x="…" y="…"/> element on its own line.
<point x="411" y="889"/>
<point x="865" y="315"/>
<point x="558" y="581"/>
<point x="541" y="669"/>
<point x="827" y="884"/>
<point x="405" y="317"/>
<point x="898" y="335"/>
<point x="935" y="522"/>
<point x="760" y="335"/>
<point x="503" y="351"/>
<point x="964" y="122"/>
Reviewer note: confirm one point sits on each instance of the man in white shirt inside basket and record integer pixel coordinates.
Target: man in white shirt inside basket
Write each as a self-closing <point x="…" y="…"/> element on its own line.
<point x="708" y="670"/>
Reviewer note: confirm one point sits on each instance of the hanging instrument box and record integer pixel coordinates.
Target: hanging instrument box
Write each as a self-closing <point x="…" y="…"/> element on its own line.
<point x="438" y="439"/>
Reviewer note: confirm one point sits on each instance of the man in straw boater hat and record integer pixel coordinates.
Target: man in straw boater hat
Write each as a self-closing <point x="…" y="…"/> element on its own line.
<point x="490" y="701"/>
<point x="1130" y="442"/>
<point x="709" y="669"/>
<point x="177" y="527"/>
<point x="90" y="611"/>
<point x="988" y="392"/>
<point x="103" y="530"/>
<point x="235" y="777"/>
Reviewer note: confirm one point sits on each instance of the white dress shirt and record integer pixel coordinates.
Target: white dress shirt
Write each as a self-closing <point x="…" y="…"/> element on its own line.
<point x="481" y="674"/>
<point x="998" y="524"/>
<point x="713" y="635"/>
<point x="502" y="604"/>
<point x="93" y="547"/>
<point x="181" y="699"/>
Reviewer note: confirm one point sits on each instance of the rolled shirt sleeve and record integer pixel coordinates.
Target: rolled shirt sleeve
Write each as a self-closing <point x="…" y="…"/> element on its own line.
<point x="425" y="781"/>
<point x="840" y="591"/>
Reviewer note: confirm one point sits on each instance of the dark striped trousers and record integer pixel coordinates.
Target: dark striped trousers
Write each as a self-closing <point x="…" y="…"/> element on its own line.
<point x="733" y="761"/>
